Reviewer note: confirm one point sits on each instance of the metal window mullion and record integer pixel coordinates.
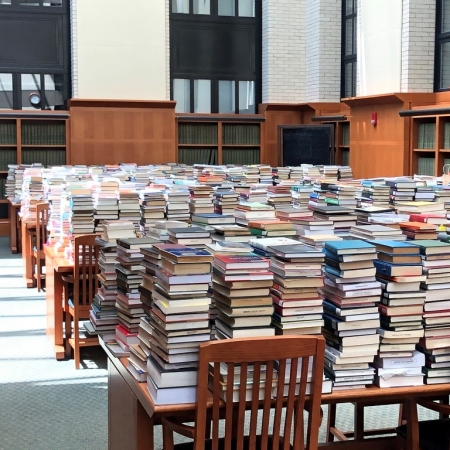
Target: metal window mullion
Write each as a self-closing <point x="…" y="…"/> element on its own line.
<point x="191" y="95"/>
<point x="236" y="96"/>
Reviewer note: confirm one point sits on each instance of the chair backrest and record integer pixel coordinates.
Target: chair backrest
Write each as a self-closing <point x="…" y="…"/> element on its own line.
<point x="266" y="373"/>
<point x="85" y="257"/>
<point x="42" y="214"/>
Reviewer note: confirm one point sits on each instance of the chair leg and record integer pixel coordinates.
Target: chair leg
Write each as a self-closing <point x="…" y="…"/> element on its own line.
<point x="76" y="344"/>
<point x="38" y="273"/>
<point x="167" y="439"/>
<point x="331" y="422"/>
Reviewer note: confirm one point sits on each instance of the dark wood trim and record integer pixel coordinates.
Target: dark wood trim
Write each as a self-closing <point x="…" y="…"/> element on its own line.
<point x="147" y="104"/>
<point x="34" y="114"/>
<point x="221" y="118"/>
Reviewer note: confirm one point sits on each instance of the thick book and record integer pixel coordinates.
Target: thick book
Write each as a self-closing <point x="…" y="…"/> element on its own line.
<point x="395" y="247"/>
<point x="350" y="247"/>
<point x="385" y="268"/>
<point x="335" y="323"/>
<point x="244" y="332"/>
<point x="183" y="254"/>
<point x="432" y="247"/>
<point x="170" y="378"/>
<point x="241" y="261"/>
<point x="171" y="395"/>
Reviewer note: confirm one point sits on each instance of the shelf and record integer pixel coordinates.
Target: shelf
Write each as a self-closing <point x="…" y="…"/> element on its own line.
<point x="444" y="150"/>
<point x="237" y="146"/>
<point x="344" y="146"/>
<point x="2" y="200"/>
<point x="7" y="145"/>
<point x="61" y="146"/>
<point x="424" y="150"/>
<point x="3" y="172"/>
<point x="197" y="145"/>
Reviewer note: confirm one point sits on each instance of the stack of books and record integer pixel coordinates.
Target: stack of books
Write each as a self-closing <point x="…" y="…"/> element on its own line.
<point x="414" y="207"/>
<point x="225" y="201"/>
<point x="81" y="211"/>
<point x="401" y="190"/>
<point x="113" y="229"/>
<point x="262" y="246"/>
<point x="179" y="322"/>
<point x="159" y="231"/>
<point x="231" y="233"/>
<point x="374" y="232"/>
<point x="419" y="230"/>
<point x="317" y="240"/>
<point x="271" y="228"/>
<point x="129" y="204"/>
<point x="292" y="213"/>
<point x="436" y="287"/>
<point x="312" y="226"/>
<point x="374" y="194"/>
<point x="345" y="173"/>
<point x="152" y="207"/>
<point x="343" y="218"/>
<point x="297" y="273"/>
<point x="351" y="316"/>
<point x="177" y="207"/>
<point x="240" y="287"/>
<point x="341" y="194"/>
<point x="106" y="201"/>
<point x="424" y="193"/>
<point x="212" y="219"/>
<point x="300" y="195"/>
<point x="103" y="315"/>
<point x="247" y="211"/>
<point x="366" y="215"/>
<point x="128" y="304"/>
<point x="200" y="201"/>
<point x="193" y="236"/>
<point x="279" y="195"/>
<point x="399" y="269"/>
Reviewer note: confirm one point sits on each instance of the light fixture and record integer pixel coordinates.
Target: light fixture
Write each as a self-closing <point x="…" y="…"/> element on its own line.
<point x="35" y="99"/>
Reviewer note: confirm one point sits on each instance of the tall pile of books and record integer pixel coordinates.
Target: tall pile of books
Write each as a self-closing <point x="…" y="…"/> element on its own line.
<point x="373" y="193"/>
<point x="436" y="341"/>
<point x="106" y="202"/>
<point x="401" y="190"/>
<point x="240" y="287"/>
<point x="179" y="322"/>
<point x="343" y="218"/>
<point x="177" y="206"/>
<point x="152" y="206"/>
<point x="81" y="210"/>
<point x="341" y="194"/>
<point x="247" y="211"/>
<point x="279" y="195"/>
<point x="193" y="236"/>
<point x="297" y="273"/>
<point x="375" y="232"/>
<point x="351" y="318"/>
<point x="271" y="228"/>
<point x="129" y="204"/>
<point x="225" y="201"/>
<point x="200" y="199"/>
<point x="399" y="270"/>
<point x="300" y="194"/>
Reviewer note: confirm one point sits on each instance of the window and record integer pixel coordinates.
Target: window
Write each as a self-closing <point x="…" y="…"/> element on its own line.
<point x="6" y="91"/>
<point x="215" y="56"/>
<point x="442" y="69"/>
<point x="348" y="70"/>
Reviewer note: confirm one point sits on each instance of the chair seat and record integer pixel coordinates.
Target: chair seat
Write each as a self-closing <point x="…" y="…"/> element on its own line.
<point x="433" y="434"/>
<point x="208" y="444"/>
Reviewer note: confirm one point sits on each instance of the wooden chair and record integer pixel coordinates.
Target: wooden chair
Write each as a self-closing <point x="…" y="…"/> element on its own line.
<point x="293" y="354"/>
<point x="432" y="434"/>
<point x="79" y="291"/>
<point x="42" y="214"/>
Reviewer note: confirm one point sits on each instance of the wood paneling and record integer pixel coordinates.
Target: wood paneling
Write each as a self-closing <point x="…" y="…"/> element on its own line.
<point x="108" y="132"/>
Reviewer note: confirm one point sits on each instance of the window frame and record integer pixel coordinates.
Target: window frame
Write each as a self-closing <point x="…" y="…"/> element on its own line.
<point x="441" y="38"/>
<point x="351" y="58"/>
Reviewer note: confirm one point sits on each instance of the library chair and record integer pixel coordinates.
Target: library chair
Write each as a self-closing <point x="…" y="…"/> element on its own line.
<point x="79" y="291"/>
<point x="40" y="238"/>
<point x="274" y="400"/>
<point x="430" y="434"/>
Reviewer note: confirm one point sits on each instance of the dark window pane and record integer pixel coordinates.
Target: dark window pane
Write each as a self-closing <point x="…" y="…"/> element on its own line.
<point x="349" y="7"/>
<point x="5" y="2"/>
<point x="226" y="8"/>
<point x="349" y="82"/>
<point x="202" y="96"/>
<point x="247" y="97"/>
<point x="445" y="66"/>
<point x="6" y="91"/>
<point x="227" y="93"/>
<point x="445" y="23"/>
<point x="182" y="95"/>
<point x="246" y="8"/>
<point x="54" y="93"/>
<point x="180" y="6"/>
<point x="52" y="3"/>
<point x="30" y="3"/>
<point x="349" y="37"/>
<point x="202" y="6"/>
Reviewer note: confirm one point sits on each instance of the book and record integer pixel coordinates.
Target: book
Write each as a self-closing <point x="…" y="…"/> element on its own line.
<point x="395" y="247"/>
<point x="350" y="247"/>
<point x="171" y="378"/>
<point x="171" y="395"/>
<point x="385" y="268"/>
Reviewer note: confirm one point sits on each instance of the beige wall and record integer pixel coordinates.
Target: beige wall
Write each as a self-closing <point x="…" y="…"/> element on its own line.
<point x="379" y="46"/>
<point x="120" y="49"/>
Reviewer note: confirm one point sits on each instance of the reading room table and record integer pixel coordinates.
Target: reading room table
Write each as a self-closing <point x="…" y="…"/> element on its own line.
<point x="14" y="226"/>
<point x="132" y="413"/>
<point x="56" y="266"/>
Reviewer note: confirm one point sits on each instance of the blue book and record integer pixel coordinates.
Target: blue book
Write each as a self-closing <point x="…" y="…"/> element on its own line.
<point x="391" y="270"/>
<point x="349" y="247"/>
<point x="395" y="247"/>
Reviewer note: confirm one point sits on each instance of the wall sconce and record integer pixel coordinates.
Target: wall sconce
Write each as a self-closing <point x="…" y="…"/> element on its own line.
<point x="373" y="121"/>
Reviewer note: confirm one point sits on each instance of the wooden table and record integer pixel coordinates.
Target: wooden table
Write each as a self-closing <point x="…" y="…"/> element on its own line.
<point x="28" y="228"/>
<point x="14" y="226"/>
<point x="132" y="413"/>
<point x="56" y="267"/>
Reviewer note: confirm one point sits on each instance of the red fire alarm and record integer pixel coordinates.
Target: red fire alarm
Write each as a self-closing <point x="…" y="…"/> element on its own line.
<point x="373" y="121"/>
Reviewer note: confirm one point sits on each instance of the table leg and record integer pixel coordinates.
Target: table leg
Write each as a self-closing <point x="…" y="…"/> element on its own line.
<point x="412" y="436"/>
<point x="12" y="228"/>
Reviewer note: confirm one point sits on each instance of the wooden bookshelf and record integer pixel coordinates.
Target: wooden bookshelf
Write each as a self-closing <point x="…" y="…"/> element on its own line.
<point x="219" y="141"/>
<point x="28" y="137"/>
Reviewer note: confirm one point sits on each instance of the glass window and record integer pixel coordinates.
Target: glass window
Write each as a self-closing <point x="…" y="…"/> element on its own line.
<point x="247" y="97"/>
<point x="180" y="6"/>
<point x="54" y="97"/>
<point x="31" y="91"/>
<point x="202" y="6"/>
<point x="227" y="95"/>
<point x="226" y="8"/>
<point x="6" y="91"/>
<point x="202" y="96"/>
<point x="349" y="37"/>
<point x="30" y="3"/>
<point x="182" y="95"/>
<point x="349" y="9"/>
<point x="445" y="22"/>
<point x="246" y="8"/>
<point x="52" y="3"/>
<point x="5" y="2"/>
<point x="445" y="66"/>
